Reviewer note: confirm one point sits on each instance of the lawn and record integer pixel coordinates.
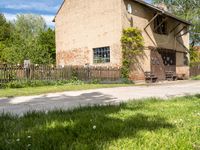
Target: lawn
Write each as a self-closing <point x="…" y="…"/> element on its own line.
<point x="140" y="125"/>
<point x="52" y="89"/>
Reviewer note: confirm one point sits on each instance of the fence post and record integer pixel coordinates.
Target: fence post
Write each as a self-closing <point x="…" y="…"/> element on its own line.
<point x="87" y="66"/>
<point x="4" y="70"/>
<point x="27" y="68"/>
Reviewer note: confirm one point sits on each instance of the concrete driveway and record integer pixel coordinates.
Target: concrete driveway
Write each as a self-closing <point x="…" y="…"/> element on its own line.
<point x="68" y="100"/>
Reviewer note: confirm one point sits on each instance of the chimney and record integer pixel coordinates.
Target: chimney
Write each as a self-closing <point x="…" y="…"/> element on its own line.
<point x="162" y="6"/>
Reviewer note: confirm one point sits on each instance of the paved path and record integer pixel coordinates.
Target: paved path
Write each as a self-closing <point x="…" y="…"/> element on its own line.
<point x="68" y="100"/>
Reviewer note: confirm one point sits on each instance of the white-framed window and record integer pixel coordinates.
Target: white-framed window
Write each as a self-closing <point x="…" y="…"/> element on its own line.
<point x="129" y="8"/>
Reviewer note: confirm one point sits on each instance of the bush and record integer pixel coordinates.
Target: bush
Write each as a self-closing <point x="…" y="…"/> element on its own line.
<point x="196" y="78"/>
<point x="37" y="83"/>
<point x="127" y="81"/>
<point x="95" y="81"/>
<point x="75" y="81"/>
<point x="15" y="84"/>
<point x="120" y="81"/>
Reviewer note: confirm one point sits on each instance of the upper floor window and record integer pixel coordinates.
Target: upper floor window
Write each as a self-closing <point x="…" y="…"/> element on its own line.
<point x="101" y="55"/>
<point x="160" y="25"/>
<point x="129" y="8"/>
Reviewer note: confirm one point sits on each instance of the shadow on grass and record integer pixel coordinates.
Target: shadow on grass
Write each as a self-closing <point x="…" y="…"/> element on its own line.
<point x="83" y="128"/>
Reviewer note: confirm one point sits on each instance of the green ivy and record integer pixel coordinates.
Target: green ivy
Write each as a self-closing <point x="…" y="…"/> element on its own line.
<point x="132" y="45"/>
<point x="194" y="55"/>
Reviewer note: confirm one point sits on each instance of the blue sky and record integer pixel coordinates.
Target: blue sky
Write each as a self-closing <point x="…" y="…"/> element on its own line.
<point x="46" y="8"/>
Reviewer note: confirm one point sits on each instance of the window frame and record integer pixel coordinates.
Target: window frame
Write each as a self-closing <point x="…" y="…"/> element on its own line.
<point x="101" y="55"/>
<point x="163" y="28"/>
<point x="129" y="8"/>
<point x="168" y="57"/>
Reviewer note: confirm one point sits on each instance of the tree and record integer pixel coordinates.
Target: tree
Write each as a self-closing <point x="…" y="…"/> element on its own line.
<point x="26" y="38"/>
<point x="45" y="49"/>
<point x="5" y="29"/>
<point x="5" y="32"/>
<point x="29" y="25"/>
<point x="27" y="28"/>
<point x="188" y="10"/>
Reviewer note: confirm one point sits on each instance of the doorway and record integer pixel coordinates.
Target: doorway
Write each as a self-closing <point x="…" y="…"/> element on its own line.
<point x="163" y="60"/>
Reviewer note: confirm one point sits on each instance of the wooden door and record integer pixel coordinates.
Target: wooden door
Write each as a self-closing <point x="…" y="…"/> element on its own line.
<point x="157" y="65"/>
<point x="169" y="60"/>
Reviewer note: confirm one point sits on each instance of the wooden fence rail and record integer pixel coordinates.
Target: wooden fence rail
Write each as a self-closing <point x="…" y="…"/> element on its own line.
<point x="195" y="69"/>
<point x="47" y="72"/>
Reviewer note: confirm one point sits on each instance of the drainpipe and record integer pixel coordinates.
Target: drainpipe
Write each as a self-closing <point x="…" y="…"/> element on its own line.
<point x="145" y="29"/>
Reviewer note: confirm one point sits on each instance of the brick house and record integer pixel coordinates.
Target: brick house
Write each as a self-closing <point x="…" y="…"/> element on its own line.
<point x="89" y="32"/>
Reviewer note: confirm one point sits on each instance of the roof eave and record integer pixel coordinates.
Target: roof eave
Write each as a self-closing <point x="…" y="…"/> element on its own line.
<point x="163" y="11"/>
<point x="145" y="4"/>
<point x="58" y="11"/>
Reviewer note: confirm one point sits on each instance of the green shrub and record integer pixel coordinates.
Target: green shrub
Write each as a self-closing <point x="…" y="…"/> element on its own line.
<point x="75" y="81"/>
<point x="74" y="74"/>
<point x="16" y="84"/>
<point x="126" y="81"/>
<point x="95" y="81"/>
<point x="37" y="83"/>
<point x="196" y="78"/>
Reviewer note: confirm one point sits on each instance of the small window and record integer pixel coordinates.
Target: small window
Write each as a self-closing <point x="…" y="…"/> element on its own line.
<point x="160" y="25"/>
<point x="129" y="8"/>
<point x="101" y="55"/>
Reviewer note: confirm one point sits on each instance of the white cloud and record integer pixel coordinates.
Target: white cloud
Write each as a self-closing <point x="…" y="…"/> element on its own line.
<point x="50" y="6"/>
<point x="47" y="18"/>
<point x="10" y="17"/>
<point x="33" y="6"/>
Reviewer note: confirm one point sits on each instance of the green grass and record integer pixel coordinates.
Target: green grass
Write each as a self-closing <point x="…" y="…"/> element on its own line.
<point x="140" y="125"/>
<point x="52" y="89"/>
<point x="196" y="78"/>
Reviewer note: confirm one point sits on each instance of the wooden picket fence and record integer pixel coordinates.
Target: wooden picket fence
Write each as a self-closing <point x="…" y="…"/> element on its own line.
<point x="195" y="69"/>
<point x="48" y="72"/>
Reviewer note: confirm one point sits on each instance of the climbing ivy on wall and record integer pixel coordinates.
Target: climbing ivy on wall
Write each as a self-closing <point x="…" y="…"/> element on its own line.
<point x="132" y="46"/>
